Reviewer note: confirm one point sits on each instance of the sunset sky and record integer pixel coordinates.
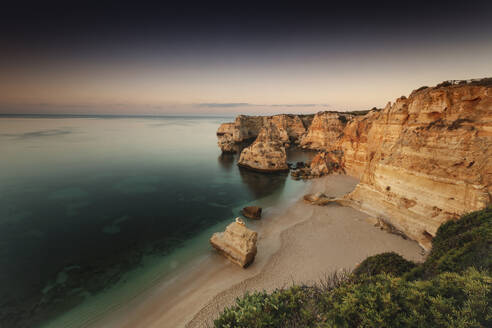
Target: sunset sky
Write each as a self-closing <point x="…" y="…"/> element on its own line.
<point x="227" y="59"/>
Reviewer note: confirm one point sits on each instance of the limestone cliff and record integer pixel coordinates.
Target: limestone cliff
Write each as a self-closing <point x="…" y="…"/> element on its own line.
<point x="353" y="143"/>
<point x="267" y="153"/>
<point x="326" y="128"/>
<point x="427" y="158"/>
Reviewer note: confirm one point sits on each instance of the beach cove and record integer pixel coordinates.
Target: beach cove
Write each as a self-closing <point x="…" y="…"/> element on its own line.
<point x="298" y="243"/>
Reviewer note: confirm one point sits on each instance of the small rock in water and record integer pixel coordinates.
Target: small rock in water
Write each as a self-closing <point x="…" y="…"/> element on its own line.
<point x="252" y="212"/>
<point x="237" y="243"/>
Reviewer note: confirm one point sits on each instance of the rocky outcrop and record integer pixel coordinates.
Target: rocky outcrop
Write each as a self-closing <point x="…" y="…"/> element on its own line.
<point x="252" y="212"/>
<point x="427" y="159"/>
<point x="244" y="128"/>
<point x="237" y="243"/>
<point x="267" y="153"/>
<point x="326" y="163"/>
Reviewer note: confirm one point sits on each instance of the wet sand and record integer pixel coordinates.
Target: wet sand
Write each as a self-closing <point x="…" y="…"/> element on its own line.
<point x="298" y="244"/>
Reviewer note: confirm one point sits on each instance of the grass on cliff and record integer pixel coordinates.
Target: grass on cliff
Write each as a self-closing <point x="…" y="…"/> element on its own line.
<point x="452" y="288"/>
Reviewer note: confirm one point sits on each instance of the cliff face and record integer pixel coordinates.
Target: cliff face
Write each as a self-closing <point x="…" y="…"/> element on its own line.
<point x="325" y="129"/>
<point x="427" y="158"/>
<point x="353" y="142"/>
<point x="267" y="153"/>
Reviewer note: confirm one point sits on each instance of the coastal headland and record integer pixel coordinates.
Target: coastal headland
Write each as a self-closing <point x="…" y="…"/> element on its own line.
<point x="421" y="160"/>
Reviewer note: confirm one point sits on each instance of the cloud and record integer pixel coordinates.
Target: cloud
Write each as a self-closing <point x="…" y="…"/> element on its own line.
<point x="37" y="134"/>
<point x="223" y="105"/>
<point x="297" y="105"/>
<point x="231" y="105"/>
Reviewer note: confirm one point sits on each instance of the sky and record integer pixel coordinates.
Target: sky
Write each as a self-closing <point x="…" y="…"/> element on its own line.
<point x="234" y="57"/>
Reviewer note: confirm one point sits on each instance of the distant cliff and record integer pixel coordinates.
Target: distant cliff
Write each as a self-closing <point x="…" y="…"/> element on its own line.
<point x="421" y="160"/>
<point x="245" y="128"/>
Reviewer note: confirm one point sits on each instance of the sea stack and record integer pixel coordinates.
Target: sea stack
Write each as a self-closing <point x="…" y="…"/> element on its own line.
<point x="267" y="153"/>
<point x="237" y="243"/>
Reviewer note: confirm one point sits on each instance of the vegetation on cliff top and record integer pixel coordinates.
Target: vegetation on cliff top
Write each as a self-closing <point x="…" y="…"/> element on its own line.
<point x="452" y="288"/>
<point x="390" y="263"/>
<point x="484" y="82"/>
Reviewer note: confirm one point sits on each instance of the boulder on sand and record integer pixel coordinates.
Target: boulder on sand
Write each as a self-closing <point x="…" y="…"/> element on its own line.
<point x="319" y="199"/>
<point x="252" y="212"/>
<point x="237" y="243"/>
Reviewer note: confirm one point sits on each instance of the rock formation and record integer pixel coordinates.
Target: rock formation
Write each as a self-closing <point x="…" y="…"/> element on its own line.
<point x="267" y="153"/>
<point x="225" y="138"/>
<point x="323" y="163"/>
<point x="319" y="199"/>
<point x="326" y="163"/>
<point x="244" y="128"/>
<point x="237" y="243"/>
<point x="252" y="212"/>
<point x="421" y="161"/>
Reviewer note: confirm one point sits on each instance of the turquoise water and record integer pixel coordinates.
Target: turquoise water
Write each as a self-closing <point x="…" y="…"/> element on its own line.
<point x="89" y="205"/>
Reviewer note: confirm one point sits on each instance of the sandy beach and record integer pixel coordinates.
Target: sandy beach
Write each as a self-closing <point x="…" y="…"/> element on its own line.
<point x="298" y="244"/>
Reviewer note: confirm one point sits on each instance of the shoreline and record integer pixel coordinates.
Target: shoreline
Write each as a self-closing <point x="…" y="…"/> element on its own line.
<point x="300" y="243"/>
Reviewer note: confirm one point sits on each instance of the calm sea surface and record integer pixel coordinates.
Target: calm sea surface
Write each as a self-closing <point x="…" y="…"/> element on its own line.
<point x="87" y="203"/>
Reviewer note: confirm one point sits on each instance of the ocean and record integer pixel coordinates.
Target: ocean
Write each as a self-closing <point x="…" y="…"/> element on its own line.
<point x="94" y="209"/>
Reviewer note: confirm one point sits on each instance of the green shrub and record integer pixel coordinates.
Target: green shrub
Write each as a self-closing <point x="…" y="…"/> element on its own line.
<point x="459" y="244"/>
<point x="261" y="309"/>
<point x="390" y="263"/>
<point x="448" y="300"/>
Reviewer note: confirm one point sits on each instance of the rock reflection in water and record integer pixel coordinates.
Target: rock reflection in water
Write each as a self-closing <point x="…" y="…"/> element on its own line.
<point x="262" y="184"/>
<point x="227" y="161"/>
